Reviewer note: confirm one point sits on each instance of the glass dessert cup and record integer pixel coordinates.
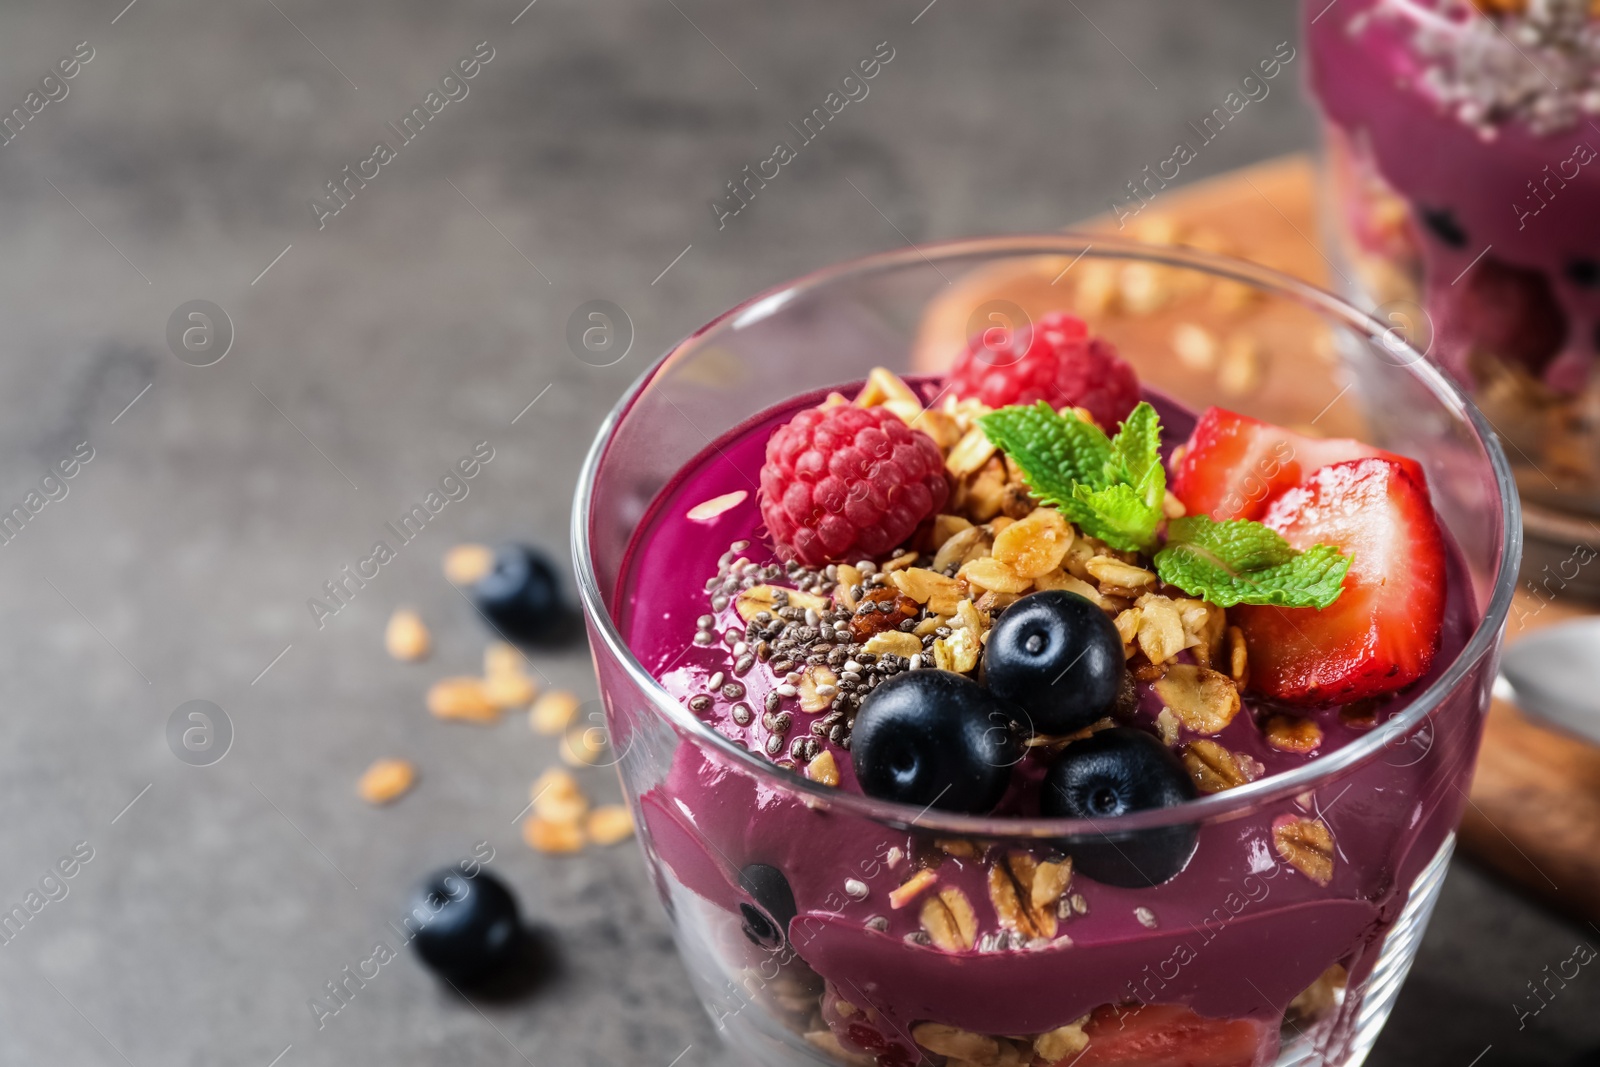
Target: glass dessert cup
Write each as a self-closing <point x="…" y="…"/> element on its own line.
<point x="1286" y="937"/>
<point x="1462" y="206"/>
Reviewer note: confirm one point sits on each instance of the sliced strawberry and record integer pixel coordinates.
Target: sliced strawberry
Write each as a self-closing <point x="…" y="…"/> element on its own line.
<point x="1233" y="464"/>
<point x="1383" y="630"/>
<point x="1165" y="1035"/>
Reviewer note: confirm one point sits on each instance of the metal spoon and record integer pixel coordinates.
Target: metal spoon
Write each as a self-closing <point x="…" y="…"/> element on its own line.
<point x="1553" y="674"/>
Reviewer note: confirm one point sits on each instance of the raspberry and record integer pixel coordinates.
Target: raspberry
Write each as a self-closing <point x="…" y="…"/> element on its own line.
<point x="1512" y="313"/>
<point x="1055" y="360"/>
<point x="845" y="483"/>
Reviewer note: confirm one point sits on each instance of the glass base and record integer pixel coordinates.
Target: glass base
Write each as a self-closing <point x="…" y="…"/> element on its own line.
<point x="771" y="1013"/>
<point x="1362" y="1013"/>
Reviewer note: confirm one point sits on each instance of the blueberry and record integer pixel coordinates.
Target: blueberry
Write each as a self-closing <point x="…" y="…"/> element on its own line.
<point x="1584" y="273"/>
<point x="520" y="595"/>
<point x="1116" y="772"/>
<point x="1442" y="222"/>
<point x="470" y="927"/>
<point x="934" y="739"/>
<point x="1059" y="658"/>
<point x="767" y="925"/>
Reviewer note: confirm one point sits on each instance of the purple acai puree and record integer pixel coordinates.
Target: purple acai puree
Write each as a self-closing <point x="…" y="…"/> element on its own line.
<point x="1239" y="933"/>
<point x="1524" y="192"/>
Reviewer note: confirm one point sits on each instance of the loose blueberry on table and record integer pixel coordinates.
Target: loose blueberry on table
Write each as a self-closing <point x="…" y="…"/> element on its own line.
<point x="520" y="596"/>
<point x="980" y="596"/>
<point x="470" y="928"/>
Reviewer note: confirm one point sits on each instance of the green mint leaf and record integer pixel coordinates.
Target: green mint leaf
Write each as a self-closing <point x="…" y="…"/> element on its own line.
<point x="1118" y="515"/>
<point x="1110" y="488"/>
<point x="1055" y="452"/>
<point x="1136" y="456"/>
<point x="1244" y="562"/>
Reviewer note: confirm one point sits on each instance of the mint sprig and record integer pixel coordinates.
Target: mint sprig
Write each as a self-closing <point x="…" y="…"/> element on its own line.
<point x="1244" y="562"/>
<point x="1112" y="488"/>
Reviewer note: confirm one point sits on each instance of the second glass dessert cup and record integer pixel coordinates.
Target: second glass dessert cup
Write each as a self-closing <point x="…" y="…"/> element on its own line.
<point x="1285" y="939"/>
<point x="1462" y="205"/>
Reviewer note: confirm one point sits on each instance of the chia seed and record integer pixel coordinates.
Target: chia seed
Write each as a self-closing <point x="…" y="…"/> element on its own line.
<point x="732" y="690"/>
<point x="715" y="681"/>
<point x="745" y="662"/>
<point x="742" y="714"/>
<point x="786" y="691"/>
<point x="855" y="889"/>
<point x="719" y="602"/>
<point x="774" y="745"/>
<point x="774" y="701"/>
<point x="700" y="703"/>
<point x="878" y="923"/>
<point x="703" y="638"/>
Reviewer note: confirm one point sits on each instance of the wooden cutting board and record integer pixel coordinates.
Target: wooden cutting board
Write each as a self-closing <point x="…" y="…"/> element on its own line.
<point x="1534" y="810"/>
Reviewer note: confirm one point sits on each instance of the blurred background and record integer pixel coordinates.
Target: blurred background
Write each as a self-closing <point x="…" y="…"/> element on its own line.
<point x="358" y="355"/>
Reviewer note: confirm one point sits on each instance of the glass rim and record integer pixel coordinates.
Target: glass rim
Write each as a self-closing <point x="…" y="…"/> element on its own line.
<point x="1209" y="808"/>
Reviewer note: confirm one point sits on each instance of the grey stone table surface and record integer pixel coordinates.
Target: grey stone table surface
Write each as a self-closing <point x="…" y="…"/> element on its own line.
<point x="373" y="347"/>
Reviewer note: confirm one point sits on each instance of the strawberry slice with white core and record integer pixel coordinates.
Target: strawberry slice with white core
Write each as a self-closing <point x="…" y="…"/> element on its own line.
<point x="1170" y="1035"/>
<point x="1234" y="465"/>
<point x="1382" y="632"/>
